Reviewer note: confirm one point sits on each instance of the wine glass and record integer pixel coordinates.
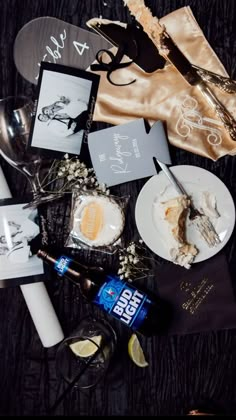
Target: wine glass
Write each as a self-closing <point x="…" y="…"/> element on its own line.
<point x="15" y="120"/>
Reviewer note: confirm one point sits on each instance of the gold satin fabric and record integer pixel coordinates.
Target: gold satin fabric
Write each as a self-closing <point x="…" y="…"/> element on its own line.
<point x="164" y="94"/>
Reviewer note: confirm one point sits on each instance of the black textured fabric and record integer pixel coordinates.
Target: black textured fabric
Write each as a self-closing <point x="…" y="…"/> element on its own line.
<point x="185" y="372"/>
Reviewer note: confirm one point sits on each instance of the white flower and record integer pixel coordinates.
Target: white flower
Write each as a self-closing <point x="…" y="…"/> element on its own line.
<point x="73" y="166"/>
<point x="121" y="277"/>
<point x="102" y="187"/>
<point x="132" y="249"/>
<point x="76" y="174"/>
<point x="129" y="258"/>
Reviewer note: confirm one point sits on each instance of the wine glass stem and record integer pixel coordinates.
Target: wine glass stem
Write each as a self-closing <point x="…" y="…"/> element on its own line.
<point x="38" y="183"/>
<point x="35" y="190"/>
<point x="34" y="181"/>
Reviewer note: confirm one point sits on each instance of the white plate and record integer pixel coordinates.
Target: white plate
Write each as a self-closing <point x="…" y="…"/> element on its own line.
<point x="149" y="212"/>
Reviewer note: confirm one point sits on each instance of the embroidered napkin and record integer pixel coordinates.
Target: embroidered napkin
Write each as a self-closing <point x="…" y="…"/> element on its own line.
<point x="164" y="94"/>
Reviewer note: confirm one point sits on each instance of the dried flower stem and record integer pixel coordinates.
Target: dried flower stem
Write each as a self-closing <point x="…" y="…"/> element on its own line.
<point x="132" y="262"/>
<point x="72" y="173"/>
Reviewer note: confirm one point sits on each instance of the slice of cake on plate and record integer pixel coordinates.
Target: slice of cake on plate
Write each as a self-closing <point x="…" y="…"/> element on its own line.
<point x="176" y="212"/>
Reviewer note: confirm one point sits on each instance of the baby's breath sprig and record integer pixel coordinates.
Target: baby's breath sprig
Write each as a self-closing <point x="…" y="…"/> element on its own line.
<point x="133" y="264"/>
<point x="71" y="173"/>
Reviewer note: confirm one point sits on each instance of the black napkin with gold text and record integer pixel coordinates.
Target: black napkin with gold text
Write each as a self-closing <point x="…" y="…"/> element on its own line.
<point x="202" y="297"/>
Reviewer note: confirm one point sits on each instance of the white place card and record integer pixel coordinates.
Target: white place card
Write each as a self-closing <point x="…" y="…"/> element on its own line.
<point x="124" y="153"/>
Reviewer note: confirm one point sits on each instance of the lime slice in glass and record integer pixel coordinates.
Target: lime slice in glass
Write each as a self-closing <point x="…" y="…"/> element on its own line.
<point x="86" y="348"/>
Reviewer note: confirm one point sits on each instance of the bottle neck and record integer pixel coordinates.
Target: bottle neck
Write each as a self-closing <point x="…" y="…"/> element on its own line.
<point x="67" y="270"/>
<point x="89" y="279"/>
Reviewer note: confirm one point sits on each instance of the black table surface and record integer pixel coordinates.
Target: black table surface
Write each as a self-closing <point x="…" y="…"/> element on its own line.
<point x="185" y="371"/>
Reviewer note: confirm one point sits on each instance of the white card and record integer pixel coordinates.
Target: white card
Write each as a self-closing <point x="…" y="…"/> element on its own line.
<point x="124" y="153"/>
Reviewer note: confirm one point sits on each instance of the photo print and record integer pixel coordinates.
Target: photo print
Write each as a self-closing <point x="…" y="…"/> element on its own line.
<point x="64" y="109"/>
<point x="19" y="241"/>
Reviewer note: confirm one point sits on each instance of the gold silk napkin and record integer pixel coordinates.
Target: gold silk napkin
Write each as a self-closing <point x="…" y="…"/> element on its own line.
<point x="165" y="95"/>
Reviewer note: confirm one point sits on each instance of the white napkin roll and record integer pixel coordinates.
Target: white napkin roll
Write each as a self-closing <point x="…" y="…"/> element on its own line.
<point x="37" y="298"/>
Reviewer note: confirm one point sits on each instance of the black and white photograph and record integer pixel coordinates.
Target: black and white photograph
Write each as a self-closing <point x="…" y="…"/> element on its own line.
<point x="66" y="100"/>
<point x="19" y="238"/>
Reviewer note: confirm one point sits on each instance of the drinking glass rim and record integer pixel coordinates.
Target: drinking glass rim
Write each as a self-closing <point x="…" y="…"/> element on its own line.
<point x="91" y="318"/>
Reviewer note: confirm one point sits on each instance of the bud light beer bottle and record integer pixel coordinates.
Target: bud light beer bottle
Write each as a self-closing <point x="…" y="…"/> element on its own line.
<point x="134" y="308"/>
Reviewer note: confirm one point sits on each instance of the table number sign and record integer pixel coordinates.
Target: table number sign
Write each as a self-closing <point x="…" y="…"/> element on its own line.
<point x="54" y="41"/>
<point x="124" y="153"/>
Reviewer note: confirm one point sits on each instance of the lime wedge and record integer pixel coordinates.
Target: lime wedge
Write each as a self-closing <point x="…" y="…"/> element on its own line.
<point x="135" y="352"/>
<point x="86" y="348"/>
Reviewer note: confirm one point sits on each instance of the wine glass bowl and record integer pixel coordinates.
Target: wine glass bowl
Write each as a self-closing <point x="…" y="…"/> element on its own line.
<point x="15" y="121"/>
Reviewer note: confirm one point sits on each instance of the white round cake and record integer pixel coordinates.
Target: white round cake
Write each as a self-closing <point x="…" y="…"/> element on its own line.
<point x="98" y="220"/>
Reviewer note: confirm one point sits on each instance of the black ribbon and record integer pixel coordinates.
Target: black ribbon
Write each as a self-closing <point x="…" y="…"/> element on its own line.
<point x="114" y="64"/>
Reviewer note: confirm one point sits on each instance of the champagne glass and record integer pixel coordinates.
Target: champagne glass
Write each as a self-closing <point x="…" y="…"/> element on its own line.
<point x="15" y="120"/>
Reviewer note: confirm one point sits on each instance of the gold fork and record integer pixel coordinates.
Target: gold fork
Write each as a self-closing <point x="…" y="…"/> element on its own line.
<point x="200" y="220"/>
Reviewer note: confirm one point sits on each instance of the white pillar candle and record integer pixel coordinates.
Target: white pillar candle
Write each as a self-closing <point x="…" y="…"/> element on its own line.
<point x="37" y="298"/>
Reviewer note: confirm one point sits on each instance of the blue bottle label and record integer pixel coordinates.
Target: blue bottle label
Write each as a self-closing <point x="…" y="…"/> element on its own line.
<point x="123" y="301"/>
<point x="62" y="265"/>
